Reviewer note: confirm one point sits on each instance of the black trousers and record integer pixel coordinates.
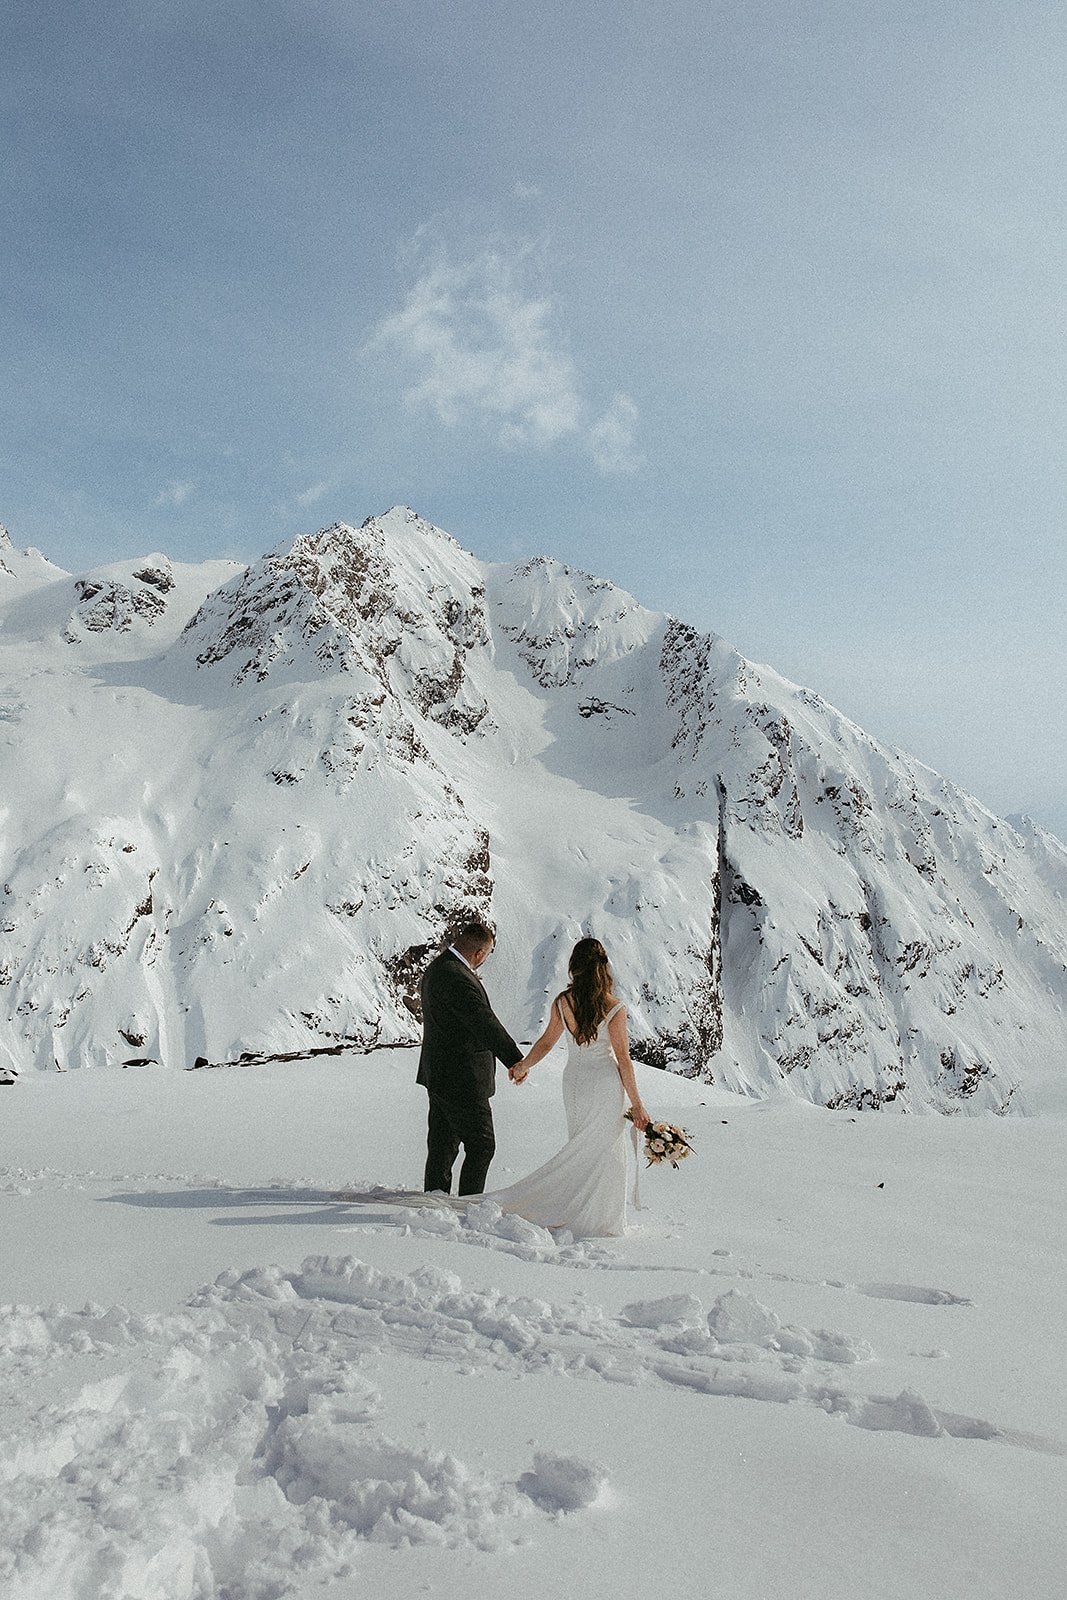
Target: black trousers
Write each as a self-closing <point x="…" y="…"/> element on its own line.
<point x="451" y="1124"/>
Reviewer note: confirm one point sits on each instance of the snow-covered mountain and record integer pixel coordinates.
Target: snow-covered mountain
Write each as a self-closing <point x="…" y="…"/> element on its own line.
<point x="240" y="807"/>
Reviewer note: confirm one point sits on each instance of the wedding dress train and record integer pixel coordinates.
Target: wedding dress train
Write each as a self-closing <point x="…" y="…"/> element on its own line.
<point x="583" y="1187"/>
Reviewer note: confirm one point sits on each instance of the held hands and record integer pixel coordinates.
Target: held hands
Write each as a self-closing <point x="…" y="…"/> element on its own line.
<point x="519" y="1072"/>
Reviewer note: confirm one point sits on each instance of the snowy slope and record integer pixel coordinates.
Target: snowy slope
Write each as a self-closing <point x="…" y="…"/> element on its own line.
<point x="240" y="807"/>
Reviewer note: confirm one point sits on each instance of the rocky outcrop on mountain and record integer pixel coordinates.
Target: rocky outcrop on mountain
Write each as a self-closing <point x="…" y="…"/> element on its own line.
<point x="90" y="610"/>
<point x="250" y="814"/>
<point x="105" y="603"/>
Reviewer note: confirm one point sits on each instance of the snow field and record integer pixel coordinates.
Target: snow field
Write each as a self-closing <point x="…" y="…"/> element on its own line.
<point x="786" y="1381"/>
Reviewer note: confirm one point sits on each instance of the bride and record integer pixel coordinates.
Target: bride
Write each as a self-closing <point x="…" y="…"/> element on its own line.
<point x="583" y="1187"/>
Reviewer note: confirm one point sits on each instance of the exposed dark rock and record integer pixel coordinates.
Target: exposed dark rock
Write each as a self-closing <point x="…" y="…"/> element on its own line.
<point x="107" y="605"/>
<point x="866" y="1099"/>
<point x="603" y="708"/>
<point x="158" y="576"/>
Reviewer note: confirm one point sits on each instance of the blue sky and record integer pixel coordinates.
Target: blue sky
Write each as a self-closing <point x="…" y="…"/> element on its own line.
<point x="756" y="307"/>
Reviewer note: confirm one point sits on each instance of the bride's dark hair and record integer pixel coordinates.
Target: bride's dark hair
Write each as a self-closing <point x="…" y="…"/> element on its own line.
<point x="591" y="987"/>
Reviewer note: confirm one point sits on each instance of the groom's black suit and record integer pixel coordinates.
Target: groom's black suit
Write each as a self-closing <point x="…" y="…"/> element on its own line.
<point x="460" y="1039"/>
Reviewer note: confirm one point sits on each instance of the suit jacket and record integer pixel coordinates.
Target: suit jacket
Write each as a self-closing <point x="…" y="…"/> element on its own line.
<point x="460" y="1034"/>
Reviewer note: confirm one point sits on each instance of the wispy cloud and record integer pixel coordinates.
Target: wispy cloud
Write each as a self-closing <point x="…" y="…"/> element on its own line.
<point x="483" y="347"/>
<point x="312" y="495"/>
<point x="611" y="439"/>
<point x="175" y="493"/>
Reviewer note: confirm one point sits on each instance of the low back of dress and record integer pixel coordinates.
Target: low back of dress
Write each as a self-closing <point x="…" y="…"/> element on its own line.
<point x="599" y="1046"/>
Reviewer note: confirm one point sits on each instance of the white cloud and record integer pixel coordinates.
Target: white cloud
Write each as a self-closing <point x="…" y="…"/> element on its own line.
<point x="175" y="493"/>
<point x="484" y="349"/>
<point x="611" y="440"/>
<point x="313" y="495"/>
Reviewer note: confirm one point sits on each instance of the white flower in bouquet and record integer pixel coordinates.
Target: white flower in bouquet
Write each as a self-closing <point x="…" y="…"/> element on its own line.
<point x="664" y="1142"/>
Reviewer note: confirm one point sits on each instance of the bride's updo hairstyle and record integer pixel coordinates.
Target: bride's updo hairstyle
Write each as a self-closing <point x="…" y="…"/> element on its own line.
<point x="591" y="987"/>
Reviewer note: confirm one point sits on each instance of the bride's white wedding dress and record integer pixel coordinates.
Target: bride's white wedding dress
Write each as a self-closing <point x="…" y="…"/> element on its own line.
<point x="583" y="1187"/>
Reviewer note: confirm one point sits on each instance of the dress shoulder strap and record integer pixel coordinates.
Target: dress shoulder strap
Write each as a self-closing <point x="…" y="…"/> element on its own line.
<point x="611" y="1013"/>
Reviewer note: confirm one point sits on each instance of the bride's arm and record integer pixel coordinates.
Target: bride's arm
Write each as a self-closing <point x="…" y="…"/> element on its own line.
<point x="538" y="1051"/>
<point x="620" y="1043"/>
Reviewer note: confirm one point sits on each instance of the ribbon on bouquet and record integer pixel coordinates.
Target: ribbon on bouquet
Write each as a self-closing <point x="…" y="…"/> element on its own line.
<point x="635" y="1139"/>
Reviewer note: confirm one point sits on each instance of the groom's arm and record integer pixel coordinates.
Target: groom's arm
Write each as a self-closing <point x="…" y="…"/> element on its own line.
<point x="469" y="1005"/>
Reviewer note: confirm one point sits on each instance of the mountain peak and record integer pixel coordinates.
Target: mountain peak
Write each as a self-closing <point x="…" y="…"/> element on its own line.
<point x="565" y="622"/>
<point x="400" y="520"/>
<point x="395" y="605"/>
<point x="30" y="568"/>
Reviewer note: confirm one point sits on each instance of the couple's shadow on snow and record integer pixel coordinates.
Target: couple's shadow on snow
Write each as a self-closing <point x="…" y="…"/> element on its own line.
<point x="373" y="1206"/>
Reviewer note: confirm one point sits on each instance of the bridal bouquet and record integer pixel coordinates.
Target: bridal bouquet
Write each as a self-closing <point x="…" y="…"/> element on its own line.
<point x="664" y="1142"/>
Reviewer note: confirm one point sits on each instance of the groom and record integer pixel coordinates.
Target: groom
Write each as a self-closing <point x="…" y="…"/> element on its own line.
<point x="460" y="1038"/>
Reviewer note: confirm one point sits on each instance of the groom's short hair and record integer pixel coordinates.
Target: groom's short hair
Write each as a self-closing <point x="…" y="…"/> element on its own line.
<point x="474" y="936"/>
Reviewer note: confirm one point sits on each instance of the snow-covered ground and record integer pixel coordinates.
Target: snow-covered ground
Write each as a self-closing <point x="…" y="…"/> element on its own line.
<point x="827" y="1364"/>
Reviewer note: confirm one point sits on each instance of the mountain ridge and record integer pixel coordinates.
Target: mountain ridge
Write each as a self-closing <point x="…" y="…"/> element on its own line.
<point x="317" y="762"/>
